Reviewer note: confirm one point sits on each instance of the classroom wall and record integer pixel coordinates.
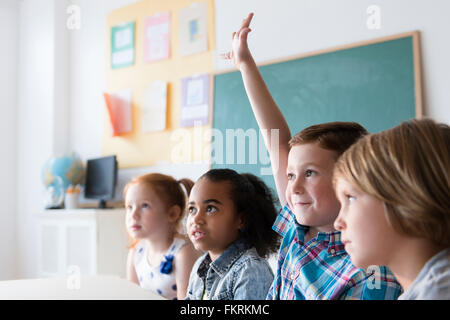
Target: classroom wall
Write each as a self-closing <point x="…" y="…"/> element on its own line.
<point x="280" y="28"/>
<point x="35" y="76"/>
<point x="9" y="14"/>
<point x="87" y="71"/>
<point x="292" y="27"/>
<point x="43" y="122"/>
<point x="288" y="28"/>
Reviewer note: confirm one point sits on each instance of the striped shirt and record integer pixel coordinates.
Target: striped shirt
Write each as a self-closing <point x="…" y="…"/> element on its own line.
<point x="322" y="269"/>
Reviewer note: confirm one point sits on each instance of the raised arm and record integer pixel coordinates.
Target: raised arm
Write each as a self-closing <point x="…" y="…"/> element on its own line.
<point x="267" y="113"/>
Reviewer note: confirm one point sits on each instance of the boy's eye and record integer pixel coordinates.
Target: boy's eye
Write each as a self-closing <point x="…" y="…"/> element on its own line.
<point x="145" y="205"/>
<point x="129" y="207"/>
<point x="350" y="198"/>
<point x="290" y="176"/>
<point x="192" y="210"/>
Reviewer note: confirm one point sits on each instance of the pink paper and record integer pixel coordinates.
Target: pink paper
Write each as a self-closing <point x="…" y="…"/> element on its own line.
<point x="157" y="37"/>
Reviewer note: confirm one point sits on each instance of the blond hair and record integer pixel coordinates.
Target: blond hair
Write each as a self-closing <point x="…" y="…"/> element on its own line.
<point x="408" y="168"/>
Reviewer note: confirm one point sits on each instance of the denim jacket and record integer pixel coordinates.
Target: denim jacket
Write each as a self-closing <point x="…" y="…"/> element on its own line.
<point x="238" y="274"/>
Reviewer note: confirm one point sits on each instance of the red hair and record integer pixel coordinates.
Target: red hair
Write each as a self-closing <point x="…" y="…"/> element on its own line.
<point x="168" y="189"/>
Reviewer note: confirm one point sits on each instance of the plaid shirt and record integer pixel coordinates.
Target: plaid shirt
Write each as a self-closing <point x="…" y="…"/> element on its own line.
<point x="321" y="268"/>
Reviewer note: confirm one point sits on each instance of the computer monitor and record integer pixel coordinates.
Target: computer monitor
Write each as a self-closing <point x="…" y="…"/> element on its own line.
<point x="101" y="179"/>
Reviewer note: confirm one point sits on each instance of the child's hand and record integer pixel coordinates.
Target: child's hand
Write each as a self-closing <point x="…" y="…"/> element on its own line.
<point x="240" y="53"/>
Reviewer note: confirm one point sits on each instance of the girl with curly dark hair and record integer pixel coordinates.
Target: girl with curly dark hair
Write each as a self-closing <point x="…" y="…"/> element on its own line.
<point x="230" y="216"/>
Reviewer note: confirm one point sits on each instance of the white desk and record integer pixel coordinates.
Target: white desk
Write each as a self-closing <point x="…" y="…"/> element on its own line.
<point x="87" y="288"/>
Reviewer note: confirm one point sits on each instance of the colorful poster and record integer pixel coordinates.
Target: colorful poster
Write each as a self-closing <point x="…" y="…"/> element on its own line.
<point x="193" y="32"/>
<point x="122" y="45"/>
<point x="157" y="37"/>
<point x="195" y="100"/>
<point x="154" y="107"/>
<point x="119" y="111"/>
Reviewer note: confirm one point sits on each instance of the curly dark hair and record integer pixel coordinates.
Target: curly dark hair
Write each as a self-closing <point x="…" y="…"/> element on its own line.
<point x="254" y="200"/>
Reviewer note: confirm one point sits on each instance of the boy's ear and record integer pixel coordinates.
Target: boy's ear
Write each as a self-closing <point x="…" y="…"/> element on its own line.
<point x="174" y="213"/>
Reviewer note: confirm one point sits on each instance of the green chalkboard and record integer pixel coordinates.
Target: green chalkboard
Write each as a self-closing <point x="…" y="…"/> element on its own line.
<point x="374" y="84"/>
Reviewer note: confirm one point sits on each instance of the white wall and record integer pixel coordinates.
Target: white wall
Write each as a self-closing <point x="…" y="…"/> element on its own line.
<point x="43" y="123"/>
<point x="61" y="110"/>
<point x="9" y="14"/>
<point x="87" y="72"/>
<point x="290" y="27"/>
<point x="35" y="115"/>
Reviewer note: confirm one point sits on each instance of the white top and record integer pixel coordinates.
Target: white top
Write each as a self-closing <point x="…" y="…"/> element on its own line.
<point x="433" y="281"/>
<point x="159" y="279"/>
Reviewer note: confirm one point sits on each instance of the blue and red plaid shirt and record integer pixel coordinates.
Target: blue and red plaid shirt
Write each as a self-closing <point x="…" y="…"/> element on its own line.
<point x="322" y="269"/>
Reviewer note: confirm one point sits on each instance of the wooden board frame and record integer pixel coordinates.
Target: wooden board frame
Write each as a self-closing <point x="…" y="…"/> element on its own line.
<point x="416" y="54"/>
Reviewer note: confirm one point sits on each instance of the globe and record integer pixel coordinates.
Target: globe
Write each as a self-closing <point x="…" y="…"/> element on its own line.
<point x="58" y="173"/>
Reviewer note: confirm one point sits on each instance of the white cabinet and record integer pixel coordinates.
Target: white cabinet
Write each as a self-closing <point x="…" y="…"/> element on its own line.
<point x="85" y="241"/>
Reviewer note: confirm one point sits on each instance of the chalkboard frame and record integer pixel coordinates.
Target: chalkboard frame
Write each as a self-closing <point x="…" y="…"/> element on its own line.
<point x="415" y="35"/>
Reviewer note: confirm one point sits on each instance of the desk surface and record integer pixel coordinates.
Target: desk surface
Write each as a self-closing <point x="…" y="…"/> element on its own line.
<point x="86" y="288"/>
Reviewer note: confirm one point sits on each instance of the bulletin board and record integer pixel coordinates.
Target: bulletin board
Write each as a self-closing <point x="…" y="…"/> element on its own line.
<point x="175" y="143"/>
<point x="376" y="83"/>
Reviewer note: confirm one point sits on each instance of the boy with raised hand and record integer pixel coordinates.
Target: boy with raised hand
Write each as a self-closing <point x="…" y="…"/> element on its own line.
<point x="312" y="262"/>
